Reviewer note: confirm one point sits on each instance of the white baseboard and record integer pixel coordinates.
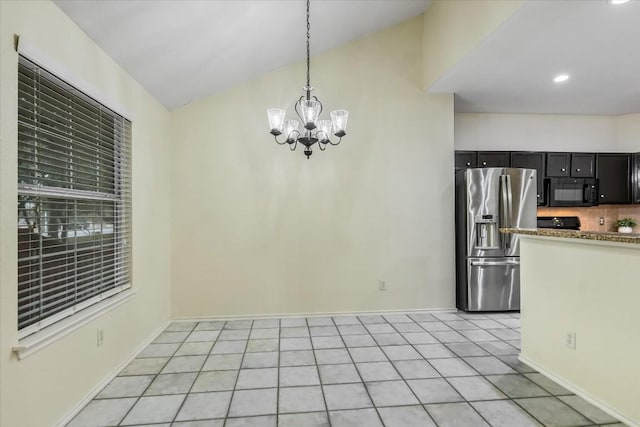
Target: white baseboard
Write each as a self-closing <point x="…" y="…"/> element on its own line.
<point x="91" y="394"/>
<point x="317" y="314"/>
<point x="578" y="391"/>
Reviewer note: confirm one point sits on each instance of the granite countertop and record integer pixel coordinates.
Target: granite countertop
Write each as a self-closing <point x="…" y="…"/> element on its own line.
<point x="572" y="234"/>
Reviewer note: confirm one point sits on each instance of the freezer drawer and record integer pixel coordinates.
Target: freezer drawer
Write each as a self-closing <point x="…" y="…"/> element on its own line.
<point x="493" y="284"/>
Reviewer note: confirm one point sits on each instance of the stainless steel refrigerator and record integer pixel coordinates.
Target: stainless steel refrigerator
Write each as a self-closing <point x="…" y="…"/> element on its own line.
<point x="488" y="261"/>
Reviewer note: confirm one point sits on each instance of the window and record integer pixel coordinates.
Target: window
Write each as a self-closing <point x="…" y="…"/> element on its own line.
<point x="74" y="200"/>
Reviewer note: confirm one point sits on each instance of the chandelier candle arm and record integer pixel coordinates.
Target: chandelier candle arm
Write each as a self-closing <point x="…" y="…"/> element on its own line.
<point x="310" y="129"/>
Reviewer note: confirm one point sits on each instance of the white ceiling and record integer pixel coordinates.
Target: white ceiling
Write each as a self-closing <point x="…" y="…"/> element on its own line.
<point x="183" y="51"/>
<point x="511" y="71"/>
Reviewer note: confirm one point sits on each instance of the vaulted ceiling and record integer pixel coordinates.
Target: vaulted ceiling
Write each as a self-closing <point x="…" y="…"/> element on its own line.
<point x="183" y="51"/>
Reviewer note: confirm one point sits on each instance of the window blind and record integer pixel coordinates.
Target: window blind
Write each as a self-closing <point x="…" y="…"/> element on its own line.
<point x="74" y="199"/>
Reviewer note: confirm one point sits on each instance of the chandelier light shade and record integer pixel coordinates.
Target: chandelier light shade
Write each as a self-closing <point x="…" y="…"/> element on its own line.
<point x="310" y="129"/>
<point x="276" y="118"/>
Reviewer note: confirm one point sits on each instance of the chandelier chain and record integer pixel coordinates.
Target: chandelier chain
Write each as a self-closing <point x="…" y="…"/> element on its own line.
<point x="308" y="50"/>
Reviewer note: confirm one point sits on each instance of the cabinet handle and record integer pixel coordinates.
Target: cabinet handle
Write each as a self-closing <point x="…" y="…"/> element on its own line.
<point x="577" y="169"/>
<point x="484" y="163"/>
<point x="602" y="196"/>
<point x="468" y="164"/>
<point x="563" y="170"/>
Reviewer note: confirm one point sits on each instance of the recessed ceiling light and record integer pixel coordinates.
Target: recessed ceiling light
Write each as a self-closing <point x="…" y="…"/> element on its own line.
<point x="617" y="2"/>
<point x="561" y="78"/>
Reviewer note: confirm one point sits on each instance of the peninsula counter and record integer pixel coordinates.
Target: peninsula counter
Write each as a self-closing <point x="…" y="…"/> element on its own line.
<point x="580" y="309"/>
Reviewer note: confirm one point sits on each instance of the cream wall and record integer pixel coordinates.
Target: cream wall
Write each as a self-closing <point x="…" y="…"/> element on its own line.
<point x="546" y="132"/>
<point x="592" y="292"/>
<point x="41" y="389"/>
<point x="258" y="229"/>
<point x="628" y="132"/>
<point x="454" y="27"/>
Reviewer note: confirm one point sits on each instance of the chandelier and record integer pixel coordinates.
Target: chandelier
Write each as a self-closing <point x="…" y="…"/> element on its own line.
<point x="310" y="129"/>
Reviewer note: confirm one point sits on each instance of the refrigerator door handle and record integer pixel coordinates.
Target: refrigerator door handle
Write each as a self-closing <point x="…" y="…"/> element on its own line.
<point x="509" y="202"/>
<point x="506" y="201"/>
<point x="493" y="264"/>
<point x="503" y="201"/>
<point x="506" y="207"/>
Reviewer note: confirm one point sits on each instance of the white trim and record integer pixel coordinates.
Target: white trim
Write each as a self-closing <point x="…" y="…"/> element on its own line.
<point x="98" y="388"/>
<point x="320" y="314"/>
<point x="45" y="323"/>
<point x="31" y="52"/>
<point x="578" y="391"/>
<point x="50" y="334"/>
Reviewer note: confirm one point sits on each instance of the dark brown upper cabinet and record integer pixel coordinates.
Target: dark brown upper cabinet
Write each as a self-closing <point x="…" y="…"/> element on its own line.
<point x="558" y="164"/>
<point x="493" y="159"/>
<point x="614" y="173"/>
<point x="618" y="173"/>
<point x="466" y="159"/>
<point x="532" y="160"/>
<point x="575" y="165"/>
<point x="583" y="165"/>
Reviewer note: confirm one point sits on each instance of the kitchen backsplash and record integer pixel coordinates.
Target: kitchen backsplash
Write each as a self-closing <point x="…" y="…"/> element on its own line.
<point x="590" y="217"/>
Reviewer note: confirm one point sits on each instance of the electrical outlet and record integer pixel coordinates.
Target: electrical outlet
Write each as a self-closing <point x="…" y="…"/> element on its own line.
<point x="570" y="340"/>
<point x="383" y="285"/>
<point x="601" y="220"/>
<point x="100" y="337"/>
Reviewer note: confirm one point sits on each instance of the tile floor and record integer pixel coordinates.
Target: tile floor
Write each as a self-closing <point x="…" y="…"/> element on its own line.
<point x="415" y="369"/>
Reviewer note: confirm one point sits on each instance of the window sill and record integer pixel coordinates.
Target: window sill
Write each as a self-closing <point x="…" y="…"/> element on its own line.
<point x="34" y="343"/>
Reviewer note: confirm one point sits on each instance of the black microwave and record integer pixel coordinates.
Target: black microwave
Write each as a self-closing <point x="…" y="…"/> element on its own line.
<point x="572" y="191"/>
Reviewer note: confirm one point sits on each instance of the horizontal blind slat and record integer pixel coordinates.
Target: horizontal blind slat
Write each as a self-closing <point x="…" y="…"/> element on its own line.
<point x="74" y="199"/>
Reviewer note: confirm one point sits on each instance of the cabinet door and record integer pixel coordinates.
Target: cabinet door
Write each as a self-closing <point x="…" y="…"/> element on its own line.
<point x="493" y="159"/>
<point x="614" y="173"/>
<point x="466" y="159"/>
<point x="583" y="165"/>
<point x="635" y="178"/>
<point x="558" y="164"/>
<point x="532" y="160"/>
